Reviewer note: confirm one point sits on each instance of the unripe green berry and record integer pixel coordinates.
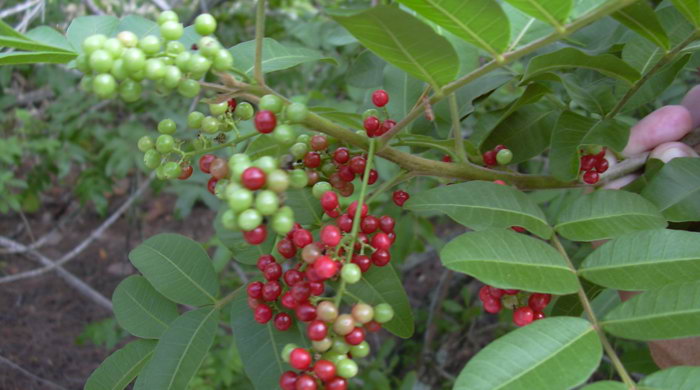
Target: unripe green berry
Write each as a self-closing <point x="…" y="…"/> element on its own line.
<point x="194" y="119"/>
<point x="299" y="150"/>
<point x="130" y="90"/>
<point x="172" y="77"/>
<point x="328" y="168"/>
<point x="128" y="39"/>
<point x="134" y="59"/>
<point x="321" y="188"/>
<point x="188" y="88"/>
<point x="346" y="368"/>
<point x="371" y="112"/>
<point x="174" y="48"/>
<point x="165" y="143"/>
<point x="151" y="159"/>
<point x="286" y="351"/>
<point x="297" y="112"/>
<point x="172" y="170"/>
<point x="155" y="69"/>
<point x="167" y="126"/>
<point x="266" y="163"/>
<point x="93" y="42"/>
<point x="223" y="60"/>
<point x="229" y="220"/>
<point x="298" y="178"/>
<point x="504" y="156"/>
<point x="304" y="139"/>
<point x="244" y="111"/>
<point x="284" y="134"/>
<point x="182" y="61"/>
<point x="271" y="103"/>
<point x="340" y="346"/>
<point x="383" y="312"/>
<point x="361" y="350"/>
<point x="278" y="180"/>
<point x="334" y="357"/>
<point x="82" y="63"/>
<point x="238" y="168"/>
<point x="114" y="47"/>
<point x="205" y="24"/>
<point x="217" y="109"/>
<point x="101" y="61"/>
<point x="119" y="71"/>
<point x="267" y="202"/>
<point x="249" y="219"/>
<point x="282" y="222"/>
<point x="150" y="44"/>
<point x="104" y="85"/>
<point x="351" y="273"/>
<point x="171" y="30"/>
<point x="210" y="125"/>
<point x="145" y="143"/>
<point x="208" y="46"/>
<point x="322" y="345"/>
<point x="160" y="173"/>
<point x="198" y="64"/>
<point x="167" y="16"/>
<point x="240" y="199"/>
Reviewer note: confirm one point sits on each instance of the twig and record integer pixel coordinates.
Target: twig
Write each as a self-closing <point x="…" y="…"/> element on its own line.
<point x="259" y="36"/>
<point x="93" y="7"/>
<point x="43" y="240"/>
<point x="457" y="130"/>
<point x="29" y="16"/>
<point x="624" y="168"/>
<point x="163" y="5"/>
<point x="80" y="247"/>
<point x="239" y="271"/>
<point x="29" y="374"/>
<point x="434" y="312"/>
<point x="18" y="8"/>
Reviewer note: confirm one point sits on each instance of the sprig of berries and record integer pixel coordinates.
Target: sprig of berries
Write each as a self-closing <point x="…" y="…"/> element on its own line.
<point x="592" y="166"/>
<point x="499" y="155"/>
<point x="495" y="299"/>
<point x="372" y="120"/>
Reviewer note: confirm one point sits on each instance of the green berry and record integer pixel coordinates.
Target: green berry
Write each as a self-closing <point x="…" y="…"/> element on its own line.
<point x="167" y="126"/>
<point x="93" y="42"/>
<point x="101" y="61"/>
<point x="282" y="222"/>
<point x="304" y="139"/>
<point x="194" y="119"/>
<point x="321" y="188"/>
<point x="160" y="173"/>
<point x="210" y="125"/>
<point x="297" y="112"/>
<point x="104" y="85"/>
<point x="138" y="76"/>
<point x="361" y="350"/>
<point x="286" y="211"/>
<point x="266" y="163"/>
<point x="114" y="47"/>
<point x="239" y="158"/>
<point x="134" y="60"/>
<point x="208" y="46"/>
<point x="171" y="30"/>
<point x="155" y="69"/>
<point x="351" y="273"/>
<point x="340" y="346"/>
<point x="383" y="312"/>
<point x="82" y="63"/>
<point x="151" y="159"/>
<point x="150" y="44"/>
<point x="346" y="368"/>
<point x="271" y="103"/>
<point x="182" y="61"/>
<point x="188" y="88"/>
<point x="504" y="156"/>
<point x="223" y="60"/>
<point x="167" y="16"/>
<point x="298" y="178"/>
<point x="172" y="77"/>
<point x="198" y="64"/>
<point x="371" y="112"/>
<point x="334" y="357"/>
<point x="174" y="48"/>
<point x="118" y="70"/>
<point x="284" y="135"/>
<point x="240" y="199"/>
<point x="238" y="168"/>
<point x="249" y="219"/>
<point x="286" y="351"/>
<point x="165" y="143"/>
<point x="205" y="24"/>
<point x="328" y="168"/>
<point x="244" y="111"/>
<point x="299" y="150"/>
<point x="278" y="180"/>
<point x="267" y="202"/>
<point x="217" y="109"/>
<point x="130" y="90"/>
<point x="128" y="39"/>
<point x="86" y="83"/>
<point x="229" y="220"/>
<point x="145" y="143"/>
<point x="172" y="170"/>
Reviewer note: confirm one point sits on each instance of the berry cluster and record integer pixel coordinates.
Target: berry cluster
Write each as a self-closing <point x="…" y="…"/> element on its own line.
<point x="276" y="118"/>
<point x="592" y="165"/>
<point x="499" y="155"/>
<point x="494" y="299"/>
<point x="336" y="340"/>
<point x="117" y="66"/>
<point x="374" y="126"/>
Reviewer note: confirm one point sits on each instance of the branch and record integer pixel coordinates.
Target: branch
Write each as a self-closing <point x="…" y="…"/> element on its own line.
<point x="457" y="130"/>
<point x="259" y="36"/>
<point x="18" y="8"/>
<point x="29" y="374"/>
<point x="596" y="14"/>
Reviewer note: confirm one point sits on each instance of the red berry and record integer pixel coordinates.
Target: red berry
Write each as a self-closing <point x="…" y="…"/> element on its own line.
<point x="232" y="104"/>
<point x="337" y="383"/>
<point x="381" y="241"/>
<point x="305" y="382"/>
<point x="264" y="260"/>
<point x="288" y="380"/>
<point x="346" y="174"/>
<point x="271" y="290"/>
<point x="499" y="147"/>
<point x="519" y="229"/>
<point x="313" y="176"/>
<point x="253" y="178"/>
<point x="312" y="276"/>
<point x="194" y="47"/>
<point x="485" y="294"/>
<point x="358" y="164"/>
<point x="587" y="162"/>
<point x="371" y="124"/>
<point x="352" y="210"/>
<point x="302" y="238"/>
<point x="296" y="227"/>
<point x="317" y="330"/>
<point x="492" y="305"/>
<point x="324" y="370"/>
<point x="392" y="237"/>
<point x="347" y="189"/>
<point x="386" y="126"/>
<point x="300" y="291"/>
<point x="381" y="257"/>
<point x="496" y="292"/>
<point x="205" y="162"/>
<point x="262" y="313"/>
<point x="490" y="158"/>
<point x="317" y="288"/>
<point x="373" y="176"/>
<point x="186" y="172"/>
<point x="286" y="248"/>
<point x="373" y="326"/>
<point x="331" y="235"/>
<point x="265" y="121"/>
<point x="344" y="222"/>
<point x="256" y="236"/>
<point x="500" y="182"/>
<point x="362" y="261"/>
<point x="380" y="98"/>
<point x="300" y="359"/>
<point x="602" y="166"/>
<point x="369" y="224"/>
<point x="355" y="337"/>
<point x="447" y="158"/>
<point x="292" y="277"/>
<point x="254" y="290"/>
<point x="283" y="321"/>
<point x="305" y="312"/>
<point x="400" y="197"/>
<point x="288" y="301"/>
<point x="386" y="224"/>
<point x="211" y="185"/>
<point x="318" y="142"/>
<point x="312" y="160"/>
<point x="273" y="271"/>
<point x="523" y="316"/>
<point x="335" y="213"/>
<point x="325" y="267"/>
<point x="510" y="292"/>
<point x="591" y="177"/>
<point x="538" y="316"/>
<point x="538" y="302"/>
<point x="341" y="155"/>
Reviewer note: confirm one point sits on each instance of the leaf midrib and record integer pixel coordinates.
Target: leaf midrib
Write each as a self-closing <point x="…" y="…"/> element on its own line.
<point x="651" y="262"/>
<point x="459" y="23"/>
<point x="189" y="344"/>
<point x="181" y="271"/>
<point x="608" y="216"/>
<point x="118" y="384"/>
<point x="165" y="326"/>
<point x="651" y="316"/>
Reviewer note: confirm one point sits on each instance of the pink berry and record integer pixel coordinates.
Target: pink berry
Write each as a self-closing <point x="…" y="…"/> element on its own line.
<point x="253" y="178"/>
<point x="265" y="121"/>
<point x="300" y="359"/>
<point x="330" y="235"/>
<point x="523" y="316"/>
<point x="380" y="98"/>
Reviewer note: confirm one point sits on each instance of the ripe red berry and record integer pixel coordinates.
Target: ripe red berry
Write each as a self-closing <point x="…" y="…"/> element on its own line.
<point x="538" y="302"/>
<point x="485" y="294"/>
<point x="369" y="224"/>
<point x="386" y="224"/>
<point x="355" y="337"/>
<point x="312" y="160"/>
<point x="288" y="301"/>
<point x="380" y="98"/>
<point x="341" y="155"/>
<point x="313" y="176"/>
<point x="492" y="305"/>
<point x="447" y="158"/>
<point x="510" y="291"/>
<point x="381" y="257"/>
<point x="254" y="290"/>
<point x="264" y="260"/>
<point x="386" y="126"/>
<point x="331" y="235"/>
<point x="256" y="236"/>
<point x="363" y="262"/>
<point x="273" y="271"/>
<point x="253" y="178"/>
<point x="392" y="237"/>
<point x="335" y="213"/>
<point x="302" y="238"/>
<point x="345" y="173"/>
<point x="317" y="330"/>
<point x="373" y="326"/>
<point x="358" y="164"/>
<point x="346" y="189"/>
<point x="265" y="121"/>
<point x="591" y="177"/>
<point x="306" y="382"/>
<point x="500" y="182"/>
<point x="371" y="125"/>
<point x="271" y="291"/>
<point x="232" y="103"/>
<point x="602" y="166"/>
<point x="262" y="313"/>
<point x="317" y="288"/>
<point x="373" y="176"/>
<point x="318" y="142"/>
<point x="337" y="383"/>
<point x="324" y="370"/>
<point x="538" y="316"/>
<point x="300" y="291"/>
<point x="496" y="292"/>
<point x="490" y="158"/>
<point x="292" y="277"/>
<point x="344" y="222"/>
<point x="288" y="380"/>
<point x="286" y="248"/>
<point x="283" y="321"/>
<point x="194" y="47"/>
<point x="325" y="267"/>
<point x="523" y="316"/>
<point x="352" y="210"/>
<point x="211" y="185"/>
<point x="400" y="197"/>
<point x="300" y="359"/>
<point x="587" y="162"/>
<point x="499" y="147"/>
<point x="329" y="200"/>
<point x="305" y="312"/>
<point x="519" y="229"/>
<point x="186" y="172"/>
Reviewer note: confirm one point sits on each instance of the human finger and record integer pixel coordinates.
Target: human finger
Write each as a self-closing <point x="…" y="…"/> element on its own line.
<point x="668" y="123"/>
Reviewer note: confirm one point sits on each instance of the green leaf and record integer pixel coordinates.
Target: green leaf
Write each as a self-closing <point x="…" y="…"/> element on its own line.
<point x="506" y="259"/>
<point x="180" y="351"/>
<point x="553" y="12"/>
<point x="606" y="214"/>
<point x="574" y="131"/>
<point x="404" y="41"/>
<point x="382" y="285"/>
<point x="640" y="18"/>
<point x="606" y="385"/>
<point x="481" y="205"/>
<point x="366" y="71"/>
<point x="657" y="84"/>
<point x="7" y="31"/>
<point x="675" y="190"/>
<point x="307" y="209"/>
<point x="140" y="309"/>
<point x="571" y="58"/>
<point x="138" y="25"/>
<point x="347" y="118"/>
<point x="49" y="57"/>
<point x="276" y="56"/>
<point x="177" y="267"/>
<point x="670" y="312"/>
<point x="241" y="250"/>
<point x="404" y="89"/>
<point x="676" y="378"/>
<point x="593" y="95"/>
<point x="24" y="44"/>
<point x="260" y="346"/>
<point x="532" y="357"/>
<point x="51" y="37"/>
<point x="121" y="367"/>
<point x="263" y="145"/>
<point x="644" y="260"/>
<point x="481" y="23"/>
<point x="690" y="9"/>
<point x="84" y="26"/>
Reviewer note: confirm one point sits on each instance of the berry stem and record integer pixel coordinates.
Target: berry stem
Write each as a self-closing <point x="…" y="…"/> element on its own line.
<point x="588" y="309"/>
<point x="227" y="298"/>
<point x="387" y="185"/>
<point x="259" y="36"/>
<point x="457" y="129"/>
